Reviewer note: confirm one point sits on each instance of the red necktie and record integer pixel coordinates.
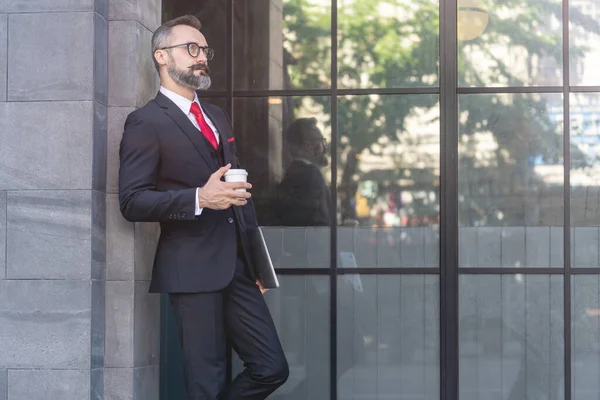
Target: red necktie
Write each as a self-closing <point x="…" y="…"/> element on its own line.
<point x="204" y="128"/>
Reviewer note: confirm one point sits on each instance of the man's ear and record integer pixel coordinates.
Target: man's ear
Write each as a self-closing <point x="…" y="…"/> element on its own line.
<point x="160" y="57"/>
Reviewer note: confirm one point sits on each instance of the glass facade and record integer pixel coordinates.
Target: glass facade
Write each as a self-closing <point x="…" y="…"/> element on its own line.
<point x="426" y="173"/>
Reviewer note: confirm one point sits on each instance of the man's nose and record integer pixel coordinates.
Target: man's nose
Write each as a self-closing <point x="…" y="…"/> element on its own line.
<point x="202" y="57"/>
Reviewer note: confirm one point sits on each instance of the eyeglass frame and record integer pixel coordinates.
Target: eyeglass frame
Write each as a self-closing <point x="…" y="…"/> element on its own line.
<point x="209" y="52"/>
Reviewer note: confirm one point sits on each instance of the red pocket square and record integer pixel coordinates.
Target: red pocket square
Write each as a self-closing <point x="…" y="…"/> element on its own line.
<point x="229" y="140"/>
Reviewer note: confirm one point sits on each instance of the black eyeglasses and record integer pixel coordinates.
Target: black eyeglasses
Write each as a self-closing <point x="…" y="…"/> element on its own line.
<point x="194" y="50"/>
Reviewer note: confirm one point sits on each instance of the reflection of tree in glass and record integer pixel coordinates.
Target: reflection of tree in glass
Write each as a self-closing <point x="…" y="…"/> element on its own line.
<point x="395" y="44"/>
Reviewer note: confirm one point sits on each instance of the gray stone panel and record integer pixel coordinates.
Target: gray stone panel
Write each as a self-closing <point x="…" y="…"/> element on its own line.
<point x="432" y="247"/>
<point x="49" y="384"/>
<point x="388" y="247"/>
<point x="119" y="243"/>
<point x="3" y="385"/>
<point x="2" y="234"/>
<point x="146" y="336"/>
<point x="365" y="250"/>
<point x="147" y="12"/>
<point x="467" y="247"/>
<point x="294" y="246"/>
<point x="513" y="251"/>
<point x="146" y="239"/>
<point x="318" y="247"/>
<point x="101" y="7"/>
<point x="123" y="62"/>
<point x="59" y="75"/>
<point x="100" y="59"/>
<point x="99" y="151"/>
<point x="3" y="54"/>
<point x="119" y="324"/>
<point x="49" y="235"/>
<point x="412" y="251"/>
<point x="51" y="151"/>
<point x="557" y="254"/>
<point x="98" y="235"/>
<point x="98" y="323"/>
<point x="132" y="81"/>
<point x="537" y="246"/>
<point x="45" y="324"/>
<point x="489" y="245"/>
<point x="116" y="124"/>
<point x="146" y="383"/>
<point x="97" y="384"/>
<point x="585" y="247"/>
<point x="41" y="6"/>
<point x="118" y="384"/>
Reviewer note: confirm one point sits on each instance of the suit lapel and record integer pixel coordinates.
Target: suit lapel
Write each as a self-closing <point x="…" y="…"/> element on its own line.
<point x="217" y="120"/>
<point x="193" y="134"/>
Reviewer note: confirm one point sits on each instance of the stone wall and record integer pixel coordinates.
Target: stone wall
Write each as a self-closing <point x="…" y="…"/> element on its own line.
<point x="76" y="321"/>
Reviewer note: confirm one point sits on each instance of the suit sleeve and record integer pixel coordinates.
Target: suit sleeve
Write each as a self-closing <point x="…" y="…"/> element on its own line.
<point x="248" y="210"/>
<point x="139" y="200"/>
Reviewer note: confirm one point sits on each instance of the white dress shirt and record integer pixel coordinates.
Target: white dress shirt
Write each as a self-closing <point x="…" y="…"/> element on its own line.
<point x="184" y="104"/>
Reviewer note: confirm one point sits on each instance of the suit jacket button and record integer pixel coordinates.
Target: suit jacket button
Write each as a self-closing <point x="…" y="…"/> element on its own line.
<point x="230" y="220"/>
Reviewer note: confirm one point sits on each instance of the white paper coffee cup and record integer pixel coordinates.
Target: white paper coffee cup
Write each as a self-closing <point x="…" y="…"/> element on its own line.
<point x="237" y="175"/>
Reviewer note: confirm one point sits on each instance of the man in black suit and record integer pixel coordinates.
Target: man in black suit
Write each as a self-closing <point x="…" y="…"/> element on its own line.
<point x="303" y="188"/>
<point x="173" y="155"/>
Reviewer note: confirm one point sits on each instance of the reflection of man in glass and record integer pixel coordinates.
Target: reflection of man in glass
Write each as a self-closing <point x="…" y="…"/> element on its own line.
<point x="303" y="196"/>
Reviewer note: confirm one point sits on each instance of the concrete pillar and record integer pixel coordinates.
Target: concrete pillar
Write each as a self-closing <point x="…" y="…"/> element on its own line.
<point x="53" y="110"/>
<point x="132" y="314"/>
<point x="76" y="320"/>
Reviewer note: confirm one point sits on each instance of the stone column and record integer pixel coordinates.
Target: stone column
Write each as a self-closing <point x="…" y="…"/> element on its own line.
<point x="53" y="108"/>
<point x="132" y="314"/>
<point x="76" y="321"/>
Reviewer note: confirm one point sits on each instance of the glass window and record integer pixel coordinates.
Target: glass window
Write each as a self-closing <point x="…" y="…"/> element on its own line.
<point x="511" y="337"/>
<point x="300" y="310"/>
<point x="388" y="181"/>
<point x="584" y="38"/>
<point x="585" y="175"/>
<point x="585" y="337"/>
<point x="388" y="337"/>
<point x="282" y="44"/>
<point x="284" y="143"/>
<point x="510" y="43"/>
<point x="511" y="180"/>
<point x="388" y="43"/>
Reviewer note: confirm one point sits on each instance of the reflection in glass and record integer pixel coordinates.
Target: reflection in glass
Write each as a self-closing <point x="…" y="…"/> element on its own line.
<point x="585" y="337"/>
<point x="300" y="310"/>
<point x="388" y="190"/>
<point x="511" y="337"/>
<point x="387" y="44"/>
<point x="584" y="37"/>
<point x="213" y="16"/>
<point x="283" y="142"/>
<point x="388" y="337"/>
<point x="585" y="179"/>
<point x="511" y="180"/>
<point x="282" y="44"/>
<point x="520" y="46"/>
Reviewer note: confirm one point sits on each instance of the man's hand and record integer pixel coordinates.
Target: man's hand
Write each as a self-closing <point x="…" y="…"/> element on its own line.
<point x="219" y="195"/>
<point x="262" y="289"/>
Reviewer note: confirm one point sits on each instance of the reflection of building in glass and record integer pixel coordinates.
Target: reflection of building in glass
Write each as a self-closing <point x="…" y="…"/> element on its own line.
<point x="584" y="34"/>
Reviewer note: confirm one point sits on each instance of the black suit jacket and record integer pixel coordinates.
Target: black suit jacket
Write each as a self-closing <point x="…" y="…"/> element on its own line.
<point x="163" y="159"/>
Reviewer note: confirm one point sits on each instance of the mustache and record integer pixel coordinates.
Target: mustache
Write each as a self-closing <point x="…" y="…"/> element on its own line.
<point x="202" y="67"/>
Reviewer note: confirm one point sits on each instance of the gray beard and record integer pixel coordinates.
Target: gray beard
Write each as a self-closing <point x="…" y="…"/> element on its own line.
<point x="188" y="78"/>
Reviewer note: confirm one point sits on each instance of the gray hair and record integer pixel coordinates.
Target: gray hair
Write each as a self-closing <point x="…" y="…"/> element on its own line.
<point x="162" y="35"/>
